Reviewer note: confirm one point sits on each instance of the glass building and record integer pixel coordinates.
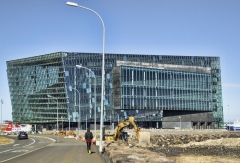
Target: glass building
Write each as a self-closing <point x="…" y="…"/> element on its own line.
<point x="159" y="91"/>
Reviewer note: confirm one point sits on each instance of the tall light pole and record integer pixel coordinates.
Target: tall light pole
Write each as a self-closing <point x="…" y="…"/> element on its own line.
<point x="1" y="114"/>
<point x="118" y="117"/>
<point x="228" y="115"/>
<point x="49" y="96"/>
<point x="95" y="102"/>
<point x="180" y="122"/>
<point x="79" y="107"/>
<point x="103" y="69"/>
<point x="69" y="121"/>
<point x="110" y="122"/>
<point x="86" y="121"/>
<point x="62" y="122"/>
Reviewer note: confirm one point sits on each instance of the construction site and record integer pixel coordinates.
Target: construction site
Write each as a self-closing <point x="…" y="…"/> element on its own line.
<point x="128" y="142"/>
<point x="181" y="146"/>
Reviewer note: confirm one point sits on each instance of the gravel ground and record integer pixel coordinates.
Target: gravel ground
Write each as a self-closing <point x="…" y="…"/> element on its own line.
<point x="197" y="147"/>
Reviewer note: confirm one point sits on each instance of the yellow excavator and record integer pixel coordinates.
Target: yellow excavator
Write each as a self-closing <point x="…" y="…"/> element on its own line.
<point x="125" y="123"/>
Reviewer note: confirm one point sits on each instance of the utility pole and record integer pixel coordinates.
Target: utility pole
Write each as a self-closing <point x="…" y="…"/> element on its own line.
<point x="1" y="114"/>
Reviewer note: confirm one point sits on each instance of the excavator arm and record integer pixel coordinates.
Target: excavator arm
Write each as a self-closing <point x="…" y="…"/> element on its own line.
<point x="136" y="128"/>
<point x="123" y="124"/>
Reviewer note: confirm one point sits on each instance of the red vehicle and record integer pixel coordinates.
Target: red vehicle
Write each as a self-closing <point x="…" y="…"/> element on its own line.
<point x="9" y="127"/>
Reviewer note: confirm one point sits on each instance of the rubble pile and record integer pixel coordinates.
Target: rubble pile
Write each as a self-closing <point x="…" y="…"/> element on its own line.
<point x="168" y="148"/>
<point x="65" y="133"/>
<point x="62" y="133"/>
<point x="122" y="152"/>
<point x="226" y="144"/>
<point x="70" y="133"/>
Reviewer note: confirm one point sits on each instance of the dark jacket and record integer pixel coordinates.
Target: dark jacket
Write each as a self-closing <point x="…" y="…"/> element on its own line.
<point x="88" y="135"/>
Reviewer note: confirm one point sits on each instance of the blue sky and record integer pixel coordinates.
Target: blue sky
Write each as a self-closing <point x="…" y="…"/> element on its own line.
<point x="160" y="27"/>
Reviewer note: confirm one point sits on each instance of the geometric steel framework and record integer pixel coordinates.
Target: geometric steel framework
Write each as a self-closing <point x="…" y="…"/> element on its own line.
<point x="152" y="89"/>
<point x="140" y="85"/>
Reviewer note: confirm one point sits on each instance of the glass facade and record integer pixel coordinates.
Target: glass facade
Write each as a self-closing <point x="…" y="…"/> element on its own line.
<point x="30" y="80"/>
<point x="141" y="85"/>
<point x="144" y="88"/>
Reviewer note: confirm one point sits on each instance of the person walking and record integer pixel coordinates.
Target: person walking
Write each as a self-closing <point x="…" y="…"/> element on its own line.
<point x="88" y="138"/>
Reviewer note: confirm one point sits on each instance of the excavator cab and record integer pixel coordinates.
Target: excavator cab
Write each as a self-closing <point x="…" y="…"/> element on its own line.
<point x="124" y="136"/>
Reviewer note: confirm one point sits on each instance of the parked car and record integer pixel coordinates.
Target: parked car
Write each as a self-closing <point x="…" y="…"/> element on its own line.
<point x="22" y="135"/>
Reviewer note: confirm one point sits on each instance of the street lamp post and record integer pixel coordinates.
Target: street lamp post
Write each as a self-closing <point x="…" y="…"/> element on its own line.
<point x="62" y="123"/>
<point x="86" y="121"/>
<point x="103" y="69"/>
<point x="228" y="114"/>
<point x="228" y="118"/>
<point x="95" y="102"/>
<point x="110" y="122"/>
<point x="118" y="118"/>
<point x="69" y="122"/>
<point x="180" y="122"/>
<point x="1" y="114"/>
<point x="79" y="107"/>
<point x="49" y="96"/>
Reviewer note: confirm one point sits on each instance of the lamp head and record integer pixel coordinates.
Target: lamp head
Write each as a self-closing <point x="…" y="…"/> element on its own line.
<point x="70" y="88"/>
<point x="79" y="66"/>
<point x="72" y="4"/>
<point x="49" y="96"/>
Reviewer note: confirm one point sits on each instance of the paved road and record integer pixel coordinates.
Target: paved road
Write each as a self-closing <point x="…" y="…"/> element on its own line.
<point x="46" y="151"/>
<point x="20" y="147"/>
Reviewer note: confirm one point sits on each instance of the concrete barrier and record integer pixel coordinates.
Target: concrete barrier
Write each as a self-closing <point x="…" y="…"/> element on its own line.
<point x="144" y="137"/>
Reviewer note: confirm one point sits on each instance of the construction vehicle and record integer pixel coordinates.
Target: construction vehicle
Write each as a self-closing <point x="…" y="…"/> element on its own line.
<point x="119" y="129"/>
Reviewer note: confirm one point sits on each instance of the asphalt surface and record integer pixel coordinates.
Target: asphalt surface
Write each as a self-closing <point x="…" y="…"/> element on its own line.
<point x="46" y="149"/>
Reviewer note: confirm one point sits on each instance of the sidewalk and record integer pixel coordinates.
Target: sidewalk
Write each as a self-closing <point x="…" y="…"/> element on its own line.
<point x="81" y="152"/>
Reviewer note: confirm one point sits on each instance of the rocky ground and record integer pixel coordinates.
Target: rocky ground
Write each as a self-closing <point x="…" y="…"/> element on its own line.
<point x="195" y="147"/>
<point x="221" y="147"/>
<point x="123" y="152"/>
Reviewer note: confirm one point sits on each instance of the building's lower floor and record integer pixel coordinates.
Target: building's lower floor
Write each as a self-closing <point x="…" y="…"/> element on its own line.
<point x="170" y="120"/>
